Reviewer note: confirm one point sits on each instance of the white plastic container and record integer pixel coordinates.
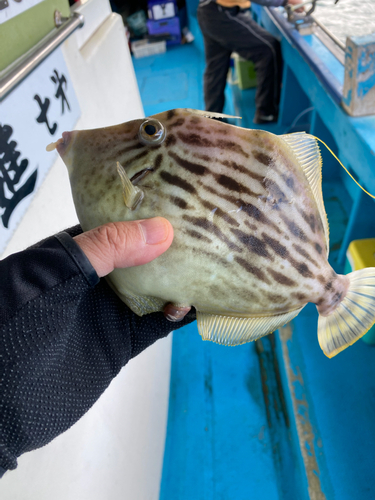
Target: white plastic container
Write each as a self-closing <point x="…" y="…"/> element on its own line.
<point x="144" y="48"/>
<point x="161" y="10"/>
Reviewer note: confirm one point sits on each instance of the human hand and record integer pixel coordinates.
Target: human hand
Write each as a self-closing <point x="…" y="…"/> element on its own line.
<point x="297" y="2"/>
<point x="127" y="244"/>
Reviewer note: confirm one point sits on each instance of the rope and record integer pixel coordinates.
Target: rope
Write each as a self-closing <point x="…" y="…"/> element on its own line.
<point x="346" y="170"/>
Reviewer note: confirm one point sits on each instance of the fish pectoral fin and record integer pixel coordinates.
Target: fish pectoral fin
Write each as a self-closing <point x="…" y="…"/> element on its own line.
<point x="353" y="317"/>
<point x="228" y="330"/>
<point x="132" y="194"/>
<point x="307" y="151"/>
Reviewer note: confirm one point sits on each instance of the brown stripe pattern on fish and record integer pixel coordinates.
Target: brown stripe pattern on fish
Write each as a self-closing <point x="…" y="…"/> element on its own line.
<point x="251" y="234"/>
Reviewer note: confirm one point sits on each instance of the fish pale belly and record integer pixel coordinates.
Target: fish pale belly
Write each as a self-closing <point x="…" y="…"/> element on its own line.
<point x="214" y="284"/>
<point x="220" y="265"/>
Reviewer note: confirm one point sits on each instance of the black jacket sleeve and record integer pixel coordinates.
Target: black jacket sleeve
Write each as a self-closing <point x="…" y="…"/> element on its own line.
<point x="64" y="335"/>
<point x="271" y="3"/>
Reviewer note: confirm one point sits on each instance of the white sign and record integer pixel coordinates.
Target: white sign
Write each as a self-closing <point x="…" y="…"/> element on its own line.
<point x="11" y="8"/>
<point x="32" y="116"/>
<point x="162" y="11"/>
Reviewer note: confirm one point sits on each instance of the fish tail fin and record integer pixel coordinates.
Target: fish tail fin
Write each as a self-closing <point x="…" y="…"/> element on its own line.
<point x="353" y="317"/>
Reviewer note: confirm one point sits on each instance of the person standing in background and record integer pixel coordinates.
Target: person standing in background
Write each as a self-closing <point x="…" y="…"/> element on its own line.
<point x="227" y="27"/>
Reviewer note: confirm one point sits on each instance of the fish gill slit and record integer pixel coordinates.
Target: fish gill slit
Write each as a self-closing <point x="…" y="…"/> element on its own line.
<point x="139" y="176"/>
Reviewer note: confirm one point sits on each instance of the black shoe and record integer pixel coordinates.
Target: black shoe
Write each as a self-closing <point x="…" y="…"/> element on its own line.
<point x="264" y="119"/>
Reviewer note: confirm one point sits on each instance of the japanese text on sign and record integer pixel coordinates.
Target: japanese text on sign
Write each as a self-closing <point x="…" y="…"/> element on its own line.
<point x="42" y="106"/>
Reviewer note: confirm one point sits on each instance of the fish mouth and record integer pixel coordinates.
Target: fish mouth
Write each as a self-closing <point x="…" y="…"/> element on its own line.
<point x="63" y="144"/>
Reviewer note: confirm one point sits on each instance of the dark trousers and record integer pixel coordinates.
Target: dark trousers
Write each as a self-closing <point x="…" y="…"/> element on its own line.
<point x="227" y="30"/>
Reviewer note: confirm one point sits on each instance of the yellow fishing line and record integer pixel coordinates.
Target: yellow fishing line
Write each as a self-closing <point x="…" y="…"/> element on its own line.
<point x="346" y="170"/>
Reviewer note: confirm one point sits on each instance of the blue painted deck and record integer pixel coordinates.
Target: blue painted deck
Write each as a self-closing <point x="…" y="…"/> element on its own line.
<point x="337" y="397"/>
<point x="218" y="444"/>
<point x="274" y="419"/>
<point x="171" y="80"/>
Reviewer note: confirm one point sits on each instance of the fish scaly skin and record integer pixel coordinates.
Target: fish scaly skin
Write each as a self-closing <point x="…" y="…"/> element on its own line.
<point x="250" y="240"/>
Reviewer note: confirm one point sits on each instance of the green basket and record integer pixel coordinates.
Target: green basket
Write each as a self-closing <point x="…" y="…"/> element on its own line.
<point x="245" y="71"/>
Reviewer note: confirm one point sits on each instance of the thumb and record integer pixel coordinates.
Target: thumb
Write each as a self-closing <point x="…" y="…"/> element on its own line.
<point x="125" y="244"/>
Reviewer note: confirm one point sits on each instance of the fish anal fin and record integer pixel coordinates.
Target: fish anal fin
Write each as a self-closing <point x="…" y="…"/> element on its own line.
<point x="353" y="317"/>
<point x="231" y="331"/>
<point x="132" y="194"/>
<point x="307" y="151"/>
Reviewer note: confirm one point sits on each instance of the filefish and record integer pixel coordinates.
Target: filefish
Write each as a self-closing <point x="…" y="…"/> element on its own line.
<point x="251" y="237"/>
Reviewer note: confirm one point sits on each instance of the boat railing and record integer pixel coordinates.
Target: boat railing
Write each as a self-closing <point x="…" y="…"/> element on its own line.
<point x="22" y="67"/>
<point x="306" y="22"/>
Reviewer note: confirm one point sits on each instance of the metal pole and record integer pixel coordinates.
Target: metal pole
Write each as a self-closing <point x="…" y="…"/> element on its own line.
<point x="328" y="33"/>
<point x="16" y="72"/>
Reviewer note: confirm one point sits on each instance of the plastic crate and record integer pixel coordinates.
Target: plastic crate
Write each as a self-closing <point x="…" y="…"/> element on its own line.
<point x="169" y="27"/>
<point x="137" y="23"/>
<point x="161" y="10"/>
<point x="361" y="254"/>
<point x="245" y="71"/>
<point x="144" y="48"/>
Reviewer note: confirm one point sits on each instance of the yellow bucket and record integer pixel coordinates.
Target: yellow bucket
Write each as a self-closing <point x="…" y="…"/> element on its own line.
<point x="360" y="254"/>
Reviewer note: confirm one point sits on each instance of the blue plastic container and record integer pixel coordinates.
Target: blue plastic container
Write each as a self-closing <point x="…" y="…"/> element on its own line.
<point x="170" y="27"/>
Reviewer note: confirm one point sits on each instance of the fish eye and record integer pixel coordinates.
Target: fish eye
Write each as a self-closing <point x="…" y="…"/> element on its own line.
<point x="151" y="133"/>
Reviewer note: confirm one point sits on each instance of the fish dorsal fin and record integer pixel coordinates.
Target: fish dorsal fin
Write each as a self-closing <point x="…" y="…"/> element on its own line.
<point x="132" y="194"/>
<point x="228" y="330"/>
<point x="307" y="151"/>
<point x="211" y="114"/>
